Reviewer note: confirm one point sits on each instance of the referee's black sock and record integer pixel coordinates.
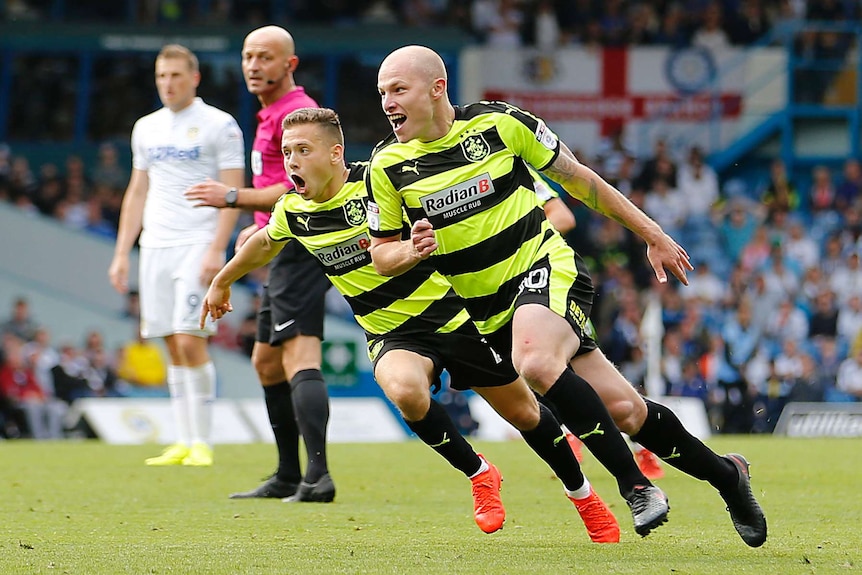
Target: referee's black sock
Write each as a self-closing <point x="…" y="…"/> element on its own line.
<point x="583" y="412"/>
<point x="279" y="407"/>
<point x="663" y="434"/>
<point x="311" y="405"/>
<point x="549" y="442"/>
<point x="438" y="431"/>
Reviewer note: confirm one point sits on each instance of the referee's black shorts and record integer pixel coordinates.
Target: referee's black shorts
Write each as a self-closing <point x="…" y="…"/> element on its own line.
<point x="293" y="299"/>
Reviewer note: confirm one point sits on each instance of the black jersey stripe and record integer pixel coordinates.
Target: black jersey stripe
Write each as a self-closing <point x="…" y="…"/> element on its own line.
<point x="485" y="307"/>
<point x="357" y="172"/>
<point x="312" y="224"/>
<point x="503" y="245"/>
<point x="435" y="315"/>
<point x="412" y="170"/>
<point x="390" y="291"/>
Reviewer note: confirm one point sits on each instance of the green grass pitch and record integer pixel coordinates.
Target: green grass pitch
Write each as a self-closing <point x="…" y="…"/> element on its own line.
<point x="91" y="508"/>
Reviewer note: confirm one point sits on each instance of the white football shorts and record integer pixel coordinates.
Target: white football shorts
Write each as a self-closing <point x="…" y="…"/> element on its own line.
<point x="171" y="291"/>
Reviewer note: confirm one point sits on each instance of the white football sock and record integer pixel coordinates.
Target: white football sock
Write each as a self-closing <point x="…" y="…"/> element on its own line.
<point x="482" y="468"/>
<point x="201" y="387"/>
<point x="179" y="402"/>
<point x="581" y="492"/>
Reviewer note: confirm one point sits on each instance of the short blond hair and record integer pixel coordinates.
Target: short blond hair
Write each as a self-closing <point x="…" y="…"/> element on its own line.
<point x="180" y="52"/>
<point x="325" y="117"/>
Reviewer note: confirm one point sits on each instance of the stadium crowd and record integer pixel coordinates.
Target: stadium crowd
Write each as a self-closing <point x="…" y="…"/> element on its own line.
<point x="40" y="379"/>
<point x="773" y="312"/>
<point x="504" y="23"/>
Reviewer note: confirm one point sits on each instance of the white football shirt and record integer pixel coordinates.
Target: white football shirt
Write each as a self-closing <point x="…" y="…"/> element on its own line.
<point x="177" y="150"/>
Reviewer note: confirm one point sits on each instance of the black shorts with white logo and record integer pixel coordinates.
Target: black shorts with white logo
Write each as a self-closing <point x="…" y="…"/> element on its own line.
<point x="293" y="299"/>
<point x="464" y="353"/>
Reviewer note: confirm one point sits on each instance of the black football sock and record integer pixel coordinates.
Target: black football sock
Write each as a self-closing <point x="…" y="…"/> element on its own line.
<point x="311" y="405"/>
<point x="549" y="442"/>
<point x="439" y="433"/>
<point x="583" y="412"/>
<point x="663" y="434"/>
<point x="279" y="407"/>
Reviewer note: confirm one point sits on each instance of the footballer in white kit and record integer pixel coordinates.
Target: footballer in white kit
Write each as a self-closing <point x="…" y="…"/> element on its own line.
<point x="178" y="150"/>
<point x="186" y="142"/>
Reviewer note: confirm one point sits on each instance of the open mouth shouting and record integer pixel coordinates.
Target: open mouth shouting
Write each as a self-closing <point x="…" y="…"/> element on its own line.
<point x="397" y="120"/>
<point x="298" y="184"/>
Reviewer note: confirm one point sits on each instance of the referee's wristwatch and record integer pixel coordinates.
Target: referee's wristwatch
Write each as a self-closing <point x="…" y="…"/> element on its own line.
<point x="231" y="197"/>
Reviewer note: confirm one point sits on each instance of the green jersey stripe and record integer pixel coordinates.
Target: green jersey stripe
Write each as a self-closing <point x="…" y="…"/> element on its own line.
<point x="336" y="233"/>
<point x="501" y="246"/>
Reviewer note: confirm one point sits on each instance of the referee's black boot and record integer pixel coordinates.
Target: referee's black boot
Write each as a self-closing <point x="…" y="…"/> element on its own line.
<point x="322" y="491"/>
<point x="272" y="488"/>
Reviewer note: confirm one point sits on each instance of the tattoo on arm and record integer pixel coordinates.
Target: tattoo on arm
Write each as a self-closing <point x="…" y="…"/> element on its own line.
<point x="592" y="199"/>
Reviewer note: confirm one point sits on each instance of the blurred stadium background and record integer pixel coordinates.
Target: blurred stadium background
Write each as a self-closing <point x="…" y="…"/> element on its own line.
<point x="735" y="123"/>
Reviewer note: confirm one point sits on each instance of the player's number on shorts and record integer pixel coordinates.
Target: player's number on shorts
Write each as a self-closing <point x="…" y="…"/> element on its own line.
<point x="536" y="280"/>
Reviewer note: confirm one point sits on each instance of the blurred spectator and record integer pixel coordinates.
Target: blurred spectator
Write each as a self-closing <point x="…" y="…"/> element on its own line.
<point x="821" y="195"/>
<point x="642" y="25"/>
<point x="133" y="304"/>
<point x="69" y="381"/>
<point x="849" y="383"/>
<point x="41" y="355"/>
<point x="756" y="251"/>
<point x="660" y="165"/>
<point x="378" y="12"/>
<point x="704" y="285"/>
<point x="44" y="414"/>
<point x="781" y="276"/>
<point x="20" y="323"/>
<point x="690" y="384"/>
<point x="787" y="323"/>
<point x="22" y="183"/>
<point x="846" y="281"/>
<point x="141" y="364"/>
<point x="96" y="223"/>
<point x="625" y="333"/>
<point x="698" y="183"/>
<point x="799" y="247"/>
<point x="809" y="385"/>
<point x="50" y="189"/>
<point x="423" y="13"/>
<point x="749" y="24"/>
<point x="612" y="154"/>
<point x="850" y="318"/>
<point x="710" y="34"/>
<point x="741" y="340"/>
<point x="851" y="230"/>
<point x="673" y="31"/>
<point x="780" y="193"/>
<point x="542" y="26"/>
<point x="614" y="24"/>
<point x="824" y="317"/>
<point x="850" y="188"/>
<point x="73" y="210"/>
<point x="108" y="171"/>
<point x="666" y="206"/>
<point x="737" y="228"/>
<point x="832" y="257"/>
<point x="498" y="22"/>
<point x="672" y="360"/>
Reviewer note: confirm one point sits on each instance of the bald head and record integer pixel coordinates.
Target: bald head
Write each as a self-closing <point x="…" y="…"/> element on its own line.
<point x="419" y="60"/>
<point x="412" y="84"/>
<point x="268" y="62"/>
<point x="274" y="36"/>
